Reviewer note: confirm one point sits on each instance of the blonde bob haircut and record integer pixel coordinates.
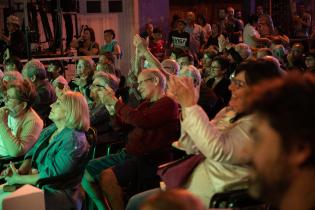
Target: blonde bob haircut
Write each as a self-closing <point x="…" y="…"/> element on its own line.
<point x="77" y="114"/>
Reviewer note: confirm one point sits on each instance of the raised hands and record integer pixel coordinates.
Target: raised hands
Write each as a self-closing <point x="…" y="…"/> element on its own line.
<point x="107" y="96"/>
<point x="183" y="91"/>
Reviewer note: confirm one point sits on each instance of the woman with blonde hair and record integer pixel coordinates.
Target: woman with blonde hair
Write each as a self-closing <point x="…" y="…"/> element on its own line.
<point x="61" y="149"/>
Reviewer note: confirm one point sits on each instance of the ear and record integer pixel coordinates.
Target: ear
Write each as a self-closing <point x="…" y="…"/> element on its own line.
<point x="33" y="78"/>
<point x="24" y="104"/>
<point x="156" y="81"/>
<point x="299" y="155"/>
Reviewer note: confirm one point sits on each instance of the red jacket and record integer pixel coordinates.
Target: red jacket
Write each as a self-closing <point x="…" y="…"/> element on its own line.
<point x="156" y="125"/>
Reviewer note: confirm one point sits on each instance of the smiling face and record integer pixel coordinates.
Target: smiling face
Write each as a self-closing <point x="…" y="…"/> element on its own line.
<point x="146" y="85"/>
<point x="239" y="89"/>
<point x="97" y="85"/>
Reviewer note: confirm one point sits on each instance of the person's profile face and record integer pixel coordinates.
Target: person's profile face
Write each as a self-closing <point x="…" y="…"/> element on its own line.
<point x="271" y="172"/>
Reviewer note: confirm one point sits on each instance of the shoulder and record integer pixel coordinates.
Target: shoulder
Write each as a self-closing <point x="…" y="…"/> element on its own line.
<point x="31" y="115"/>
<point x="73" y="136"/>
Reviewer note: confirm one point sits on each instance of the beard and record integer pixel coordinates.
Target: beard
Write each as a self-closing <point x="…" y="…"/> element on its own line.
<point x="270" y="188"/>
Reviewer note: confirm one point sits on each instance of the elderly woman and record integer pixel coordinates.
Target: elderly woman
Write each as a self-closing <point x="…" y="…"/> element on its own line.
<point x="224" y="140"/>
<point x="83" y="77"/>
<point x="20" y="126"/>
<point x="61" y="149"/>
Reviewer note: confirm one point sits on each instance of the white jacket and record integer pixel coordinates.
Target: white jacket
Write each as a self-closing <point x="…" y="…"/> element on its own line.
<point x="223" y="143"/>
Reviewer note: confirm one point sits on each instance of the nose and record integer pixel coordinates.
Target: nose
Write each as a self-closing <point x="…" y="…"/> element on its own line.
<point x="232" y="86"/>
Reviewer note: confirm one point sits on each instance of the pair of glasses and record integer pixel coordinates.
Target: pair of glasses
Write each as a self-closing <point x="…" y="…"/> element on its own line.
<point x="215" y="67"/>
<point x="238" y="83"/>
<point x="98" y="86"/>
<point x="145" y="80"/>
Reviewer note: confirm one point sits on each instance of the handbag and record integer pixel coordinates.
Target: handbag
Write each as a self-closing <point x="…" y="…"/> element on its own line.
<point x="174" y="174"/>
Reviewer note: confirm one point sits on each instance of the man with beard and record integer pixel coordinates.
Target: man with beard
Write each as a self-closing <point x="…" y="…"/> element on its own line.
<point x="284" y="150"/>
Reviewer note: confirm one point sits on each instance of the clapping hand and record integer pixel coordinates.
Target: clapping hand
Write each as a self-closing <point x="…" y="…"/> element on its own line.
<point x="107" y="96"/>
<point x="140" y="43"/>
<point x="183" y="91"/>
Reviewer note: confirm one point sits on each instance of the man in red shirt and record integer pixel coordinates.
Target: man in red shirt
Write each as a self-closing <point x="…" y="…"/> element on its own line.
<point x="155" y="125"/>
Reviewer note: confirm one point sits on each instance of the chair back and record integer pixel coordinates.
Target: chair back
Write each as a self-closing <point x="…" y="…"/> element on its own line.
<point x="91" y="137"/>
<point x="58" y="182"/>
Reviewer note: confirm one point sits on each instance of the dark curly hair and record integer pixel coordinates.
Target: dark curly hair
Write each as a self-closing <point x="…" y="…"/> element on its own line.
<point x="288" y="106"/>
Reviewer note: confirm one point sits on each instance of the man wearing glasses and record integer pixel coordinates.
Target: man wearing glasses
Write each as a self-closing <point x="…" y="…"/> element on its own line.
<point x="155" y="124"/>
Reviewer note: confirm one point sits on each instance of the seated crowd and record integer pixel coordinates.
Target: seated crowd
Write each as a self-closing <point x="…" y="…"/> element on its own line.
<point x="218" y="95"/>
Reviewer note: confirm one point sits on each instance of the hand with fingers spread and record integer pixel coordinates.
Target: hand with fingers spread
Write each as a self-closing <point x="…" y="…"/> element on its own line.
<point x="183" y="91"/>
<point x="107" y="96"/>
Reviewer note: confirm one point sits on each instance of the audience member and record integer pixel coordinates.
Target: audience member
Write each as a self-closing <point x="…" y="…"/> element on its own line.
<point x="179" y="38"/>
<point x="197" y="37"/>
<point x="283" y="149"/>
<point x="224" y="140"/>
<point x="20" y="125"/>
<point x="35" y="71"/>
<point x="13" y="64"/>
<point x="302" y="23"/>
<point x="111" y="44"/>
<point x="157" y="44"/>
<point x="84" y="77"/>
<point x="233" y="27"/>
<point x="206" y="27"/>
<point x="219" y="82"/>
<point x="15" y="40"/>
<point x="55" y="69"/>
<point x="155" y="125"/>
<point x="265" y="23"/>
<point x="295" y="57"/>
<point x="165" y="200"/>
<point x="61" y="149"/>
<point x="251" y="36"/>
<point x="86" y="44"/>
<point x="310" y="62"/>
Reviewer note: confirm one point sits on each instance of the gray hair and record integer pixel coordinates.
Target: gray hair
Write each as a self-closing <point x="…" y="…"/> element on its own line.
<point x="193" y="72"/>
<point x="110" y="79"/>
<point x="156" y="74"/>
<point x="34" y="68"/>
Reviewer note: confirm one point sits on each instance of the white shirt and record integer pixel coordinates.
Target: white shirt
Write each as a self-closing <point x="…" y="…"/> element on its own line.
<point x="13" y="125"/>
<point x="248" y="33"/>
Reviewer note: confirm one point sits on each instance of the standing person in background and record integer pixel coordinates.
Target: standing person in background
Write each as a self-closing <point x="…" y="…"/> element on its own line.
<point x="157" y="45"/>
<point x="197" y="37"/>
<point x="148" y="32"/>
<point x="179" y="38"/>
<point x="302" y="23"/>
<point x="265" y="24"/>
<point x="15" y="40"/>
<point x="206" y="27"/>
<point x="111" y="44"/>
<point x="233" y="27"/>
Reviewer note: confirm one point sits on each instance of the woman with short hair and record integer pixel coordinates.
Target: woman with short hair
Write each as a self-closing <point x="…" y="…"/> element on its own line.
<point x="20" y="125"/>
<point x="61" y="149"/>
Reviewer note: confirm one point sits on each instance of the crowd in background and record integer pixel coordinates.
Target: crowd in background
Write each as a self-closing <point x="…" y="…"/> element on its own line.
<point x="184" y="94"/>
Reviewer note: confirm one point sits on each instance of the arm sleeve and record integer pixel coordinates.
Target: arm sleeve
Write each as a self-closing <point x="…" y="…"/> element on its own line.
<point x="25" y="139"/>
<point x="227" y="145"/>
<point x="74" y="147"/>
<point x="157" y="114"/>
